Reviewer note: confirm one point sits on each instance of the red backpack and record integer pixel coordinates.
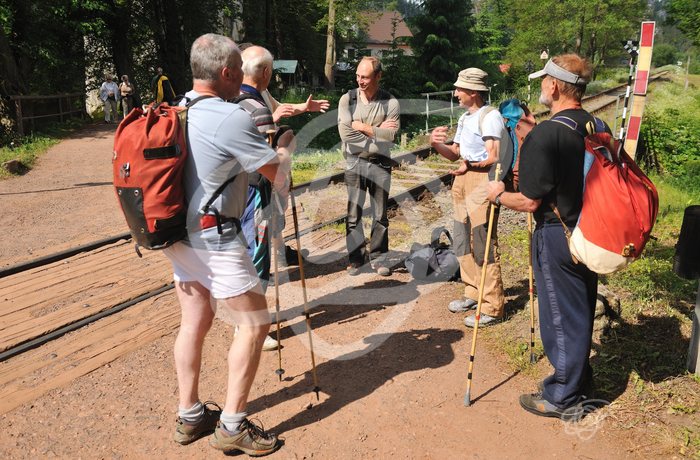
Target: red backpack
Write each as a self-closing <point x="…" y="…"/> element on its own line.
<point x="150" y="150"/>
<point x="620" y="205"/>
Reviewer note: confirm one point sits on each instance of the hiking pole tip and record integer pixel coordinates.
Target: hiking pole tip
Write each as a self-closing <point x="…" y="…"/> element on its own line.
<point x="317" y="389"/>
<point x="279" y="373"/>
<point x="533" y="360"/>
<point x="467" y="399"/>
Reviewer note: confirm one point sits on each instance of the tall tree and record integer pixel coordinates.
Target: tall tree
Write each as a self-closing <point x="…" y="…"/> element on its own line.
<point x="686" y="15"/>
<point x="443" y="40"/>
<point x="594" y="28"/>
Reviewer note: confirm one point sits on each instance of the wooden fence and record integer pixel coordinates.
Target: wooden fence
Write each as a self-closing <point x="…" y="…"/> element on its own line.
<point x="28" y="109"/>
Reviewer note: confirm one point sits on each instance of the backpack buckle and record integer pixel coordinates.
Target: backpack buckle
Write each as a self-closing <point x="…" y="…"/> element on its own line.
<point x="125" y="170"/>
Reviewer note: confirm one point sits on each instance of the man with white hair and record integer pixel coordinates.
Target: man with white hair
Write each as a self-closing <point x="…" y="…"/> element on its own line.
<point x="257" y="217"/>
<point x="212" y="262"/>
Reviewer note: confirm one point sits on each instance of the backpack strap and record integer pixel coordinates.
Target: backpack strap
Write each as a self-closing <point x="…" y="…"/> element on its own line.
<point x="243" y="96"/>
<point x="436" y="234"/>
<point x="488" y="109"/>
<point x="352" y="101"/>
<point x="207" y="208"/>
<point x="596" y="125"/>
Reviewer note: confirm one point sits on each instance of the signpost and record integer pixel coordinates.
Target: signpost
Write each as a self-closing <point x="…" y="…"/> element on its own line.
<point x="641" y="80"/>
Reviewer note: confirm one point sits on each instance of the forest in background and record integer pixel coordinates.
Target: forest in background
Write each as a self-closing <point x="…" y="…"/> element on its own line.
<point x="64" y="46"/>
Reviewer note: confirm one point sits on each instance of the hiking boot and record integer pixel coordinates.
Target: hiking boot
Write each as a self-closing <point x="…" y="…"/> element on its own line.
<point x="461" y="305"/>
<point x="291" y="256"/>
<point x="588" y="389"/>
<point x="354" y="269"/>
<point x="536" y="404"/>
<point x="485" y="320"/>
<point x="270" y="344"/>
<point x="381" y="268"/>
<point x="252" y="440"/>
<point x="186" y="432"/>
<point x="383" y="271"/>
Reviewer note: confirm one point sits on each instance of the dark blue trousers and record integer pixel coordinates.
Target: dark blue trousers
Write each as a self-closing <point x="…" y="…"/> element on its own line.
<point x="566" y="294"/>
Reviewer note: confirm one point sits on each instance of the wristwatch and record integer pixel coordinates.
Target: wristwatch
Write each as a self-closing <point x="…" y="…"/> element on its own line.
<point x="498" y="198"/>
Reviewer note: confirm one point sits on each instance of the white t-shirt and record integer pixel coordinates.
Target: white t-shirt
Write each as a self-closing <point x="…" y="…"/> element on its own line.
<point x="224" y="143"/>
<point x="471" y="139"/>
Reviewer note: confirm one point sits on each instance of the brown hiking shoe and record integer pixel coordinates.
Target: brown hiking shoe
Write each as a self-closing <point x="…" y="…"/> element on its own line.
<point x="186" y="433"/>
<point x="252" y="440"/>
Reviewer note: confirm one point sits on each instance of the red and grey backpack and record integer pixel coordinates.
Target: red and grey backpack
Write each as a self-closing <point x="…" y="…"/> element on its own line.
<point x="148" y="161"/>
<point x="620" y="203"/>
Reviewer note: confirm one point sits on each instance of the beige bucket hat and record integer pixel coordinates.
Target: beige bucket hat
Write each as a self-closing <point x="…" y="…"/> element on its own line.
<point x="472" y="78"/>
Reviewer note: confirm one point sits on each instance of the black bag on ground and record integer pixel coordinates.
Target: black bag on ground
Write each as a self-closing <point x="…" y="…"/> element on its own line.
<point x="435" y="261"/>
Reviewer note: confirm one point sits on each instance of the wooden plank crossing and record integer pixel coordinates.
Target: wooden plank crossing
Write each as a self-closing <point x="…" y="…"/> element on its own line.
<point x="41" y="300"/>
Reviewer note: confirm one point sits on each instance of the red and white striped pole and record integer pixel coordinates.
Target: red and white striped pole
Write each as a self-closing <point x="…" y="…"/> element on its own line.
<point x="641" y="80"/>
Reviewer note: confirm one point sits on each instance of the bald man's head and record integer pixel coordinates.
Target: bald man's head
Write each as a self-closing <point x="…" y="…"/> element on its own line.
<point x="257" y="66"/>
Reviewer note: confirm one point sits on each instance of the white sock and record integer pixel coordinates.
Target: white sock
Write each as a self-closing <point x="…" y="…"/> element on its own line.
<point x="232" y="421"/>
<point x="193" y="414"/>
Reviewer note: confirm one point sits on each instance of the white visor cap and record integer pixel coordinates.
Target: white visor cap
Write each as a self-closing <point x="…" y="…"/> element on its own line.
<point x="559" y="73"/>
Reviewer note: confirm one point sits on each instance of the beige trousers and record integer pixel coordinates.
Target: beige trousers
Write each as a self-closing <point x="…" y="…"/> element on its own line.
<point x="471" y="214"/>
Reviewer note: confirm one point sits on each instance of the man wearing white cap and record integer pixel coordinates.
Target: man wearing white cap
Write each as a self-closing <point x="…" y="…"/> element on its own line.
<point x="477" y="143"/>
<point x="551" y="181"/>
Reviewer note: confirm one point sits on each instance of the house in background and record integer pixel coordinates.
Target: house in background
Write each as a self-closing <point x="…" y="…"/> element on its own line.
<point x="377" y="38"/>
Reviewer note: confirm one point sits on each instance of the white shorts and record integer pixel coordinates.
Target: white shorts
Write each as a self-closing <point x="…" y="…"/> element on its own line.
<point x="224" y="274"/>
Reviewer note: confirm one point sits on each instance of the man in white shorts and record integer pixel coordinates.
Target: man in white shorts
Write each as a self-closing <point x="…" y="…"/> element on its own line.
<point x="212" y="262"/>
<point x="477" y="144"/>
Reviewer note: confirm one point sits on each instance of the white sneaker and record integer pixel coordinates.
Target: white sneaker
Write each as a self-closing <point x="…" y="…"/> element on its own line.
<point x="270" y="344"/>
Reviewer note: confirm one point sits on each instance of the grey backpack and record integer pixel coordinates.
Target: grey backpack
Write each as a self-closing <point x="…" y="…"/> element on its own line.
<point x="435" y="261"/>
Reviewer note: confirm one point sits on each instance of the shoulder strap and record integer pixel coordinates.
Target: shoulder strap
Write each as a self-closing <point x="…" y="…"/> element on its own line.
<point x="595" y="125"/>
<point x="488" y="109"/>
<point x="184" y="114"/>
<point x="352" y="102"/>
<point x="243" y="96"/>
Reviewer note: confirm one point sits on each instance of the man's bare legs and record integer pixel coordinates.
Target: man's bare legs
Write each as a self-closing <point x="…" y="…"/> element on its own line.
<point x="196" y="320"/>
<point x="249" y="311"/>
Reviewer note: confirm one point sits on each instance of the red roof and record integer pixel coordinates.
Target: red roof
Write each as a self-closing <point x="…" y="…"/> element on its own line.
<point x="380" y="28"/>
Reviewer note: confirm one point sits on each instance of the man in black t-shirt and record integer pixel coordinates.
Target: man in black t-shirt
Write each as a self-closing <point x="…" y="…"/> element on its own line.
<point x="551" y="175"/>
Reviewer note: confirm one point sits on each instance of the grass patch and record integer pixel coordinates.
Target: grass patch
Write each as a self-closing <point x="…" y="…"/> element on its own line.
<point x="310" y="166"/>
<point x="29" y="148"/>
<point x="27" y="152"/>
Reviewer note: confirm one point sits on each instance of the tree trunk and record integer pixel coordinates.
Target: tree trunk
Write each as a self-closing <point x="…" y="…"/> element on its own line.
<point x="330" y="48"/>
<point x="170" y="46"/>
<point x="579" y="39"/>
<point x="119" y="40"/>
<point x="11" y="82"/>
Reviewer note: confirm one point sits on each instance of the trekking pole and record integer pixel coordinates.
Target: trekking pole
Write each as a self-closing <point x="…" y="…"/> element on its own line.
<point x="279" y="371"/>
<point x="492" y="212"/>
<point x="300" y="259"/>
<point x="532" y="292"/>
